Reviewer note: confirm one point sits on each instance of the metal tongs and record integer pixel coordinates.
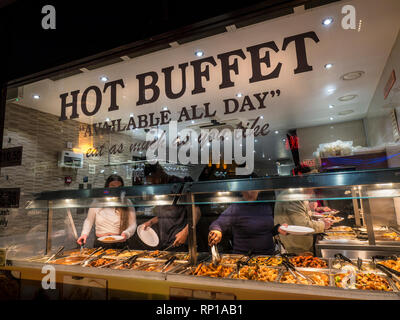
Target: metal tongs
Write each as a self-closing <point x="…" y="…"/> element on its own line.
<point x="132" y="259"/>
<point x="340" y="256"/>
<point x="168" y="263"/>
<point x="292" y="269"/>
<point x="391" y="273"/>
<point x="86" y="261"/>
<point x="56" y="254"/>
<point x="216" y="258"/>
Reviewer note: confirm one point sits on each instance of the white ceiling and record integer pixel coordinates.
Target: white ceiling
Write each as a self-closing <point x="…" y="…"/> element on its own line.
<point x="304" y="97"/>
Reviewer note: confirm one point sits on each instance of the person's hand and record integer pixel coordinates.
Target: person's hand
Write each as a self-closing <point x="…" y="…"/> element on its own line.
<point x="123" y="234"/>
<point x="82" y="240"/>
<point x="328" y="223"/>
<point x="282" y="232"/>
<point x="214" y="237"/>
<point x="180" y="238"/>
<point x="147" y="224"/>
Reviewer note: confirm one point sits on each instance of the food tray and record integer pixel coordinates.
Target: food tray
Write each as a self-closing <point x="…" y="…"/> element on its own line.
<point x="366" y="263"/>
<point x="303" y="267"/>
<point x="265" y="258"/>
<point x="70" y="261"/>
<point x="308" y="273"/>
<point x="380" y="274"/>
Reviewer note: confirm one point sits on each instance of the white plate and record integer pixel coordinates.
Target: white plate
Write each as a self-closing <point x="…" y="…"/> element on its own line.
<point x="297" y="230"/>
<point x="115" y="239"/>
<point x="148" y="236"/>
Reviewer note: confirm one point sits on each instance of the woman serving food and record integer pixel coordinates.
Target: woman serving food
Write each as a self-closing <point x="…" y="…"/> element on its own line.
<point x="110" y="221"/>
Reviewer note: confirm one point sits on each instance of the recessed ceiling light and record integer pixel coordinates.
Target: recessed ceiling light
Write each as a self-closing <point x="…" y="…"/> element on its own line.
<point x="327" y="21"/>
<point x="262" y="117"/>
<point x="256" y="140"/>
<point x="328" y="65"/>
<point x="276" y="131"/>
<point x="352" y="75"/>
<point x="165" y="108"/>
<point x="192" y="121"/>
<point x="36" y="96"/>
<point x="108" y="119"/>
<point x="103" y="78"/>
<point x="345" y="112"/>
<point x="331" y="118"/>
<point x="348" y="97"/>
<point x="331" y="106"/>
<point x="269" y="159"/>
<point x="131" y="115"/>
<point x="199" y="53"/>
<point x="239" y="95"/>
<point x="331" y="90"/>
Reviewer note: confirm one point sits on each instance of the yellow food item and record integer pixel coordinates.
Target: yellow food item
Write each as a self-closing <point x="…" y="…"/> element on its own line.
<point x="263" y="261"/>
<point x="211" y="270"/>
<point x="392" y="236"/>
<point x="393" y="264"/>
<point x="261" y="273"/>
<point x="320" y="279"/>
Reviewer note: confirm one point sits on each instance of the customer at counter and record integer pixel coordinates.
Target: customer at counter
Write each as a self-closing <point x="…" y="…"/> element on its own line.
<point x="251" y="224"/>
<point x="110" y="221"/>
<point x="297" y="213"/>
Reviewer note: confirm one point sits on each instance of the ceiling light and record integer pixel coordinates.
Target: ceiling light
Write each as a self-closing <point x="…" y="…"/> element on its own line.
<point x="104" y="78"/>
<point x="262" y="117"/>
<point x="108" y="119"/>
<point x="239" y="95"/>
<point x="131" y="115"/>
<point x="328" y="65"/>
<point x="199" y="53"/>
<point x="269" y="159"/>
<point x="165" y="108"/>
<point x="327" y="21"/>
<point x="256" y="140"/>
<point x="331" y="106"/>
<point x="345" y="112"/>
<point x="352" y="75"/>
<point x="348" y="97"/>
<point x="276" y="131"/>
<point x="331" y="118"/>
<point x="192" y="121"/>
<point x="36" y="96"/>
<point x="331" y="90"/>
<point x="102" y="171"/>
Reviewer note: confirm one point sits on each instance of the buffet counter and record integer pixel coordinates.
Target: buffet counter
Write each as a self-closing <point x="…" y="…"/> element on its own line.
<point x="237" y="277"/>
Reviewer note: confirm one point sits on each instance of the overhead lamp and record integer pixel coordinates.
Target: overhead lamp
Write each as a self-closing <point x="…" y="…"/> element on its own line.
<point x="352" y="75"/>
<point x="328" y="66"/>
<point x="276" y="131"/>
<point x="36" y="96"/>
<point x="104" y="78"/>
<point x="331" y="106"/>
<point x="239" y="95"/>
<point x="348" y="97"/>
<point x="199" y="53"/>
<point x="327" y="21"/>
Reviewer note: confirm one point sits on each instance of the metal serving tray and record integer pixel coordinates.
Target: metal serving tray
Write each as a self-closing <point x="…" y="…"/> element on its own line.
<point x="307" y="272"/>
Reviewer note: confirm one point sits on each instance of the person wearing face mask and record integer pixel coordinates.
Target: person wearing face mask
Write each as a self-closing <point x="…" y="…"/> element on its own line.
<point x="251" y="224"/>
<point x="110" y="221"/>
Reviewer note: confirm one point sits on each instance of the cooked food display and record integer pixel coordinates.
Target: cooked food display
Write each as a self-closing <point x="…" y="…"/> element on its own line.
<point x="109" y="239"/>
<point x="393" y="264"/>
<point x="334" y="219"/>
<point x="211" y="270"/>
<point x="157" y="254"/>
<point x="308" y="262"/>
<point x="391" y="236"/>
<point x="266" y="261"/>
<point x="320" y="279"/>
<point x="72" y="260"/>
<point x="341" y="228"/>
<point x="229" y="260"/>
<point x="366" y="281"/>
<point x="260" y="273"/>
<point x="100" y="262"/>
<point x="77" y="252"/>
<point x="340" y="234"/>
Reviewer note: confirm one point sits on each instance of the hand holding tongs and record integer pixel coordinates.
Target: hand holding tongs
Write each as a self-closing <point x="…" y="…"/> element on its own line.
<point x="216" y="258"/>
<point x="56" y="254"/>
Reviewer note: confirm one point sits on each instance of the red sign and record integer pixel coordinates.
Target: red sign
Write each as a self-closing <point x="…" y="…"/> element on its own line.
<point x="68" y="180"/>
<point x="389" y="84"/>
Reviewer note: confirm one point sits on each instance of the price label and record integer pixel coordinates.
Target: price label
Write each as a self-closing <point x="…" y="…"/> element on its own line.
<point x="10" y="157"/>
